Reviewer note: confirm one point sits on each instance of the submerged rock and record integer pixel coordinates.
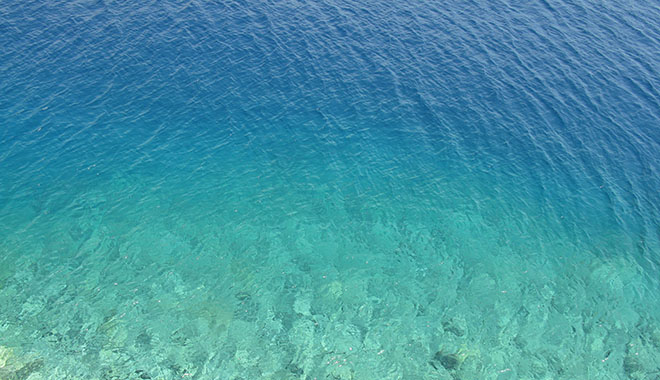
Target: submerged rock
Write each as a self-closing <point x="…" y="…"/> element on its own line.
<point x="450" y="362"/>
<point x="15" y="371"/>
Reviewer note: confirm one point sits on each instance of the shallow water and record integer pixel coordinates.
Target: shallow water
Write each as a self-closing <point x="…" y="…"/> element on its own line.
<point x="331" y="190"/>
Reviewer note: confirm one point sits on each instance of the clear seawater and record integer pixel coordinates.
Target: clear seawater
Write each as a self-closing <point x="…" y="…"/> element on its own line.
<point x="332" y="189"/>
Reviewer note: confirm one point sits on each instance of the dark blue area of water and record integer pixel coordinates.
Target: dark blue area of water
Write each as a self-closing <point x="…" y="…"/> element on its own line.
<point x="567" y="92"/>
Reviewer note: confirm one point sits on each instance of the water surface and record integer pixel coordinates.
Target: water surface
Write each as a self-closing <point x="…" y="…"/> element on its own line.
<point x="329" y="190"/>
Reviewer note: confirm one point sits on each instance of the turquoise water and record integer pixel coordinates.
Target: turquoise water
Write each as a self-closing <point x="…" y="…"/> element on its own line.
<point x="332" y="190"/>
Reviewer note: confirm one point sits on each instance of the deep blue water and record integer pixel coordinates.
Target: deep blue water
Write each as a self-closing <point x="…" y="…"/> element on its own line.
<point x="329" y="190"/>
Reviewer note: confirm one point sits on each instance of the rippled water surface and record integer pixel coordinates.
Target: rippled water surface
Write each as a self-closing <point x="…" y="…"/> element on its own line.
<point x="329" y="190"/>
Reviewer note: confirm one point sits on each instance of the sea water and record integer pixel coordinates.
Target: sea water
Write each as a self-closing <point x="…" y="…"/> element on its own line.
<point x="330" y="189"/>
